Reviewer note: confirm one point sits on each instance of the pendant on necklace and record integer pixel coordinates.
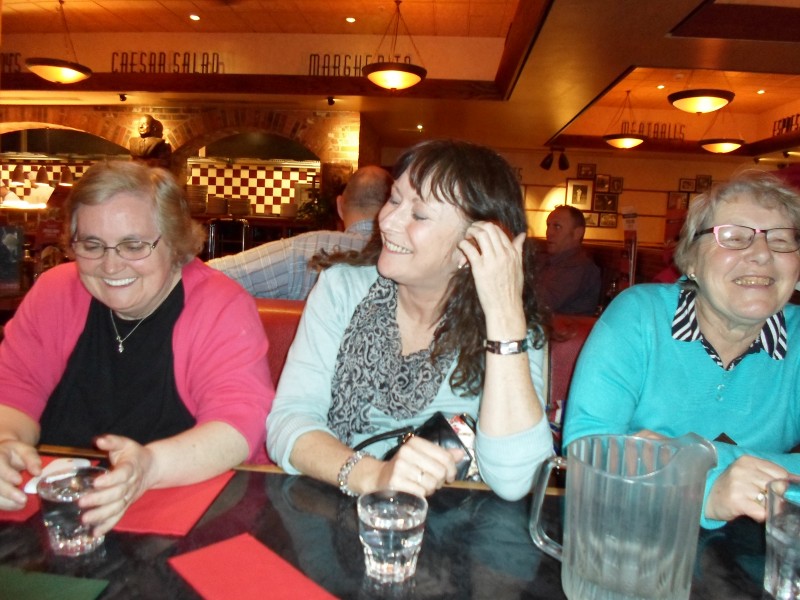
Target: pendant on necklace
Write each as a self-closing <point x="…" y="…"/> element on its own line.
<point x="119" y="348"/>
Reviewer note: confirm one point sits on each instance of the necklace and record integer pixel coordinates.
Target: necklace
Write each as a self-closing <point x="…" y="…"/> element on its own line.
<point x="121" y="341"/>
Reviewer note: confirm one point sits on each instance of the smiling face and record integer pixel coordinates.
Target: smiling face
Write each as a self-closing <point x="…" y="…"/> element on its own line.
<point x="419" y="238"/>
<point x="132" y="289"/>
<point x="742" y="288"/>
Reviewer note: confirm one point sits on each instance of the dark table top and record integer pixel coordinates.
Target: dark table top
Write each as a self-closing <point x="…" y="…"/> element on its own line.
<point x="475" y="546"/>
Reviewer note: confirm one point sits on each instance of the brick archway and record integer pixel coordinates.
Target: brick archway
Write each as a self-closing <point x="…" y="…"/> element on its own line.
<point x="332" y="136"/>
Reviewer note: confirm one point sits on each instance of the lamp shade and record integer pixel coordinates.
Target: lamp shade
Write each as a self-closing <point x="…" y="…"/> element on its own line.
<point x="394" y="75"/>
<point x="721" y="145"/>
<point x="624" y="141"/>
<point x="701" y="100"/>
<point x="547" y="161"/>
<point x="66" y="178"/>
<point x="17" y="176"/>
<point x="58" y="71"/>
<point x="563" y="162"/>
<point x="42" y="179"/>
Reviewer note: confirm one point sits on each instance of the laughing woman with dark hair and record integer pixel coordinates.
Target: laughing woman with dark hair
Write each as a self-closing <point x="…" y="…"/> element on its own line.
<point x="438" y="313"/>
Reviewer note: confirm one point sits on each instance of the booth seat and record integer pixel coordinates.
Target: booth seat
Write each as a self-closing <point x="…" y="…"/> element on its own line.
<point x="566" y="341"/>
<point x="281" y="317"/>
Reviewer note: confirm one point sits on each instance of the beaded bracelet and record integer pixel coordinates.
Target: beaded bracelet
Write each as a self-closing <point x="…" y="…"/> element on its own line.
<point x="344" y="472"/>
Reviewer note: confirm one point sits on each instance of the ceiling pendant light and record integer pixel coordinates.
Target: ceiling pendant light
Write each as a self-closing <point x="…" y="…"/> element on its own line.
<point x="17" y="176"/>
<point x="42" y="178"/>
<point x="700" y="101"/>
<point x="626" y="138"/>
<point x="393" y="74"/>
<point x="66" y="178"/>
<point x="714" y="141"/>
<point x="57" y="70"/>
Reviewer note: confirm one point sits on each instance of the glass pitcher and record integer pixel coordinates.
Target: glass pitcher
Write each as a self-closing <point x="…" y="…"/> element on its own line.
<point x="632" y="515"/>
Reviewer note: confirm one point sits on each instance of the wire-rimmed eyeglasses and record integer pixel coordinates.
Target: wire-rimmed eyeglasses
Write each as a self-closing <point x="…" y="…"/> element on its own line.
<point x="128" y="250"/>
<point x="739" y="237"/>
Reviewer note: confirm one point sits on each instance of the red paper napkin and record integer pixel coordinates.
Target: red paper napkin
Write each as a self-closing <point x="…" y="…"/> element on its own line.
<point x="172" y="511"/>
<point x="32" y="505"/>
<point x="241" y="568"/>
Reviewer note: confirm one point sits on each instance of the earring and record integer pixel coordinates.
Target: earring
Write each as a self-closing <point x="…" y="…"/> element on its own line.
<point x="691" y="276"/>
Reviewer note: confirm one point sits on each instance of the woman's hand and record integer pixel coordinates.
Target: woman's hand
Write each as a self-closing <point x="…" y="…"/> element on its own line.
<point x="117" y="490"/>
<point x="16" y="456"/>
<point x="420" y="467"/>
<point x="496" y="264"/>
<point x="741" y="489"/>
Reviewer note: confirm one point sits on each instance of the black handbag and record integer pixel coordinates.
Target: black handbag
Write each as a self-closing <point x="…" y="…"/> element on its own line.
<point x="438" y="430"/>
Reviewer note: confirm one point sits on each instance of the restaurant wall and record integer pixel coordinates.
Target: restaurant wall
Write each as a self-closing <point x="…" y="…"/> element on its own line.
<point x="647" y="183"/>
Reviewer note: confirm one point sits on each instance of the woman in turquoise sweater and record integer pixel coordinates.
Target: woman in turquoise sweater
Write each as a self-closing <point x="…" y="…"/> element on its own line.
<point x="713" y="354"/>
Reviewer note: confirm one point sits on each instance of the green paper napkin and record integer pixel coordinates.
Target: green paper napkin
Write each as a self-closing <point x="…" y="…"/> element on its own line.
<point x="27" y="585"/>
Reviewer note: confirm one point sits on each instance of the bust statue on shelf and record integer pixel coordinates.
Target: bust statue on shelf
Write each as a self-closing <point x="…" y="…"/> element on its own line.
<point x="150" y="146"/>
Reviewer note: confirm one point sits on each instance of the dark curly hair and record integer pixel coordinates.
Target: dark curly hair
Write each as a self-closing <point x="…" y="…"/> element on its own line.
<point x="484" y="187"/>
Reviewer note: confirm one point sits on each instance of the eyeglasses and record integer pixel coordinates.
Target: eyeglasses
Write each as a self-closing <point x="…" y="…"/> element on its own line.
<point x="129" y="249"/>
<point x="739" y="237"/>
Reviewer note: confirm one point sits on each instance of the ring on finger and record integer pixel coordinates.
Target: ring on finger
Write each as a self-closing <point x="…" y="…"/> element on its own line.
<point x="420" y="476"/>
<point x="761" y="496"/>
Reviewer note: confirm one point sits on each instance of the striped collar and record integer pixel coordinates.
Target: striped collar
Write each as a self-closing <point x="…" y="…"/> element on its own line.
<point x="685" y="328"/>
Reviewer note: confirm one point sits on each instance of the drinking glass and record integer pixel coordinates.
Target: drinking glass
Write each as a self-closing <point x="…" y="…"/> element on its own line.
<point x="59" y="494"/>
<point x="782" y="570"/>
<point x="390" y="526"/>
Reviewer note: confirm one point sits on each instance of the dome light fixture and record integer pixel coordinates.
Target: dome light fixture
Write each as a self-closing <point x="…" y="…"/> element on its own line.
<point x="394" y="75"/>
<point x="721" y="145"/>
<point x="57" y="70"/>
<point x="626" y="138"/>
<point x="701" y="100"/>
<point x="715" y="139"/>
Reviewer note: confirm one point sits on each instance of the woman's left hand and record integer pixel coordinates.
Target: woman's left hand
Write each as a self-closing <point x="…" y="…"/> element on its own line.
<point x="496" y="264"/>
<point x="117" y="489"/>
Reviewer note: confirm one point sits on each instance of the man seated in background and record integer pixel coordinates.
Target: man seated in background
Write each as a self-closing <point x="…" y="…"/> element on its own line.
<point x="280" y="269"/>
<point x="569" y="281"/>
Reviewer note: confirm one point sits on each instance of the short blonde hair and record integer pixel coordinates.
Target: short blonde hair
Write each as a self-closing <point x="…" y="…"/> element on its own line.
<point x="760" y="187"/>
<point x="104" y="180"/>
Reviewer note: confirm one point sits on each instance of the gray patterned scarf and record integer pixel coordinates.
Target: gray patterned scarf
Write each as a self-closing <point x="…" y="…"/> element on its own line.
<point x="371" y="371"/>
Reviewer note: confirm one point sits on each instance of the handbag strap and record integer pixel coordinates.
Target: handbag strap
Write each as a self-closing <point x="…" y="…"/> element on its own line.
<point x="394" y="433"/>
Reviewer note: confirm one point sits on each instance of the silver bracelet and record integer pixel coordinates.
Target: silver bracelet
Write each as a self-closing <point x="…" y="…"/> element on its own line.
<point x="506" y="347"/>
<point x="344" y="472"/>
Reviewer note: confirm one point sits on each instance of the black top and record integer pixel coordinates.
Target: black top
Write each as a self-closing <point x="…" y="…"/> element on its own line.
<point x="130" y="393"/>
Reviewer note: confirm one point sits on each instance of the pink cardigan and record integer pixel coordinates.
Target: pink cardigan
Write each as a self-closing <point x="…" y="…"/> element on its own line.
<point x="219" y="346"/>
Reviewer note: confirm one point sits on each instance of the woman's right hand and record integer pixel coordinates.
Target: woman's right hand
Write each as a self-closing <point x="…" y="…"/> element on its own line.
<point x="419" y="467"/>
<point x="741" y="488"/>
<point x="16" y="456"/>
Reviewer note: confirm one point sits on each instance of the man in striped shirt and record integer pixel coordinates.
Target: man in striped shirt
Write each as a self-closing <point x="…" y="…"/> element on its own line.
<point x="280" y="269"/>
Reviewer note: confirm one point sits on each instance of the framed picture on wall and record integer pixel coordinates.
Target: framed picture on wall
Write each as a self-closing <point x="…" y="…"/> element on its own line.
<point x="601" y="183"/>
<point x="608" y="220"/>
<point x="702" y="183"/>
<point x="579" y="193"/>
<point x="605" y="202"/>
<point x="677" y="201"/>
<point x="687" y="185"/>
<point x="615" y="185"/>
<point x="586" y="170"/>
<point x="592" y="219"/>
